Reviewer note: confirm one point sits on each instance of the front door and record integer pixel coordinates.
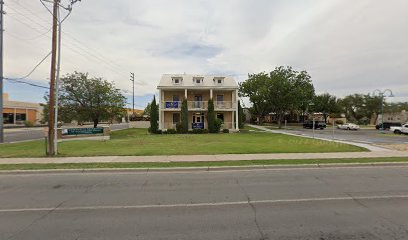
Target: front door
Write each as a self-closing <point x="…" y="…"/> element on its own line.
<point x="198" y="120"/>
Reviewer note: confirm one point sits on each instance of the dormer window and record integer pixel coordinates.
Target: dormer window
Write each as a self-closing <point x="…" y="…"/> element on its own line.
<point x="198" y="80"/>
<point x="177" y="81"/>
<point x="219" y="80"/>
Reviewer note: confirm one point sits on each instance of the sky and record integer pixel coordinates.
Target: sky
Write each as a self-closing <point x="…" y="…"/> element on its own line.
<point x="346" y="46"/>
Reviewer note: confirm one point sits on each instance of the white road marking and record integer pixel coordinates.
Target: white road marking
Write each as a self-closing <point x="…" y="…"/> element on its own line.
<point x="114" y="207"/>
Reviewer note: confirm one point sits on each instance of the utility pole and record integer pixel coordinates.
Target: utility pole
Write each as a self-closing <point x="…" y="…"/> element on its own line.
<point x="57" y="85"/>
<point x="51" y="117"/>
<point x="132" y="78"/>
<point x="1" y="72"/>
<point x="55" y="73"/>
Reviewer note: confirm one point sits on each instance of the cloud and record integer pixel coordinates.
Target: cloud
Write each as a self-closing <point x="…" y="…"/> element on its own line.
<point x="347" y="48"/>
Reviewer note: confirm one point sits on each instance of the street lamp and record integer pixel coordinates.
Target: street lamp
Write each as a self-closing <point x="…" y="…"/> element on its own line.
<point x="382" y="94"/>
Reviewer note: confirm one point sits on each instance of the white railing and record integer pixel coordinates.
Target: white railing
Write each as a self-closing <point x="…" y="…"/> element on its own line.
<point x="224" y="105"/>
<point x="200" y="105"/>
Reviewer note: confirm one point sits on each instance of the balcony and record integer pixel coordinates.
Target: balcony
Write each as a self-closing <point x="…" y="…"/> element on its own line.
<point x="198" y="105"/>
<point x="224" y="105"/>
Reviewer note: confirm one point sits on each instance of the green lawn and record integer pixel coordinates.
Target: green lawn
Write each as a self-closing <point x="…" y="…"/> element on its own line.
<point x="137" y="142"/>
<point x="7" y="167"/>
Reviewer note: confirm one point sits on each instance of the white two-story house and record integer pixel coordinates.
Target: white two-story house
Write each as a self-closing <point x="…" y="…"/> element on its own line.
<point x="197" y="89"/>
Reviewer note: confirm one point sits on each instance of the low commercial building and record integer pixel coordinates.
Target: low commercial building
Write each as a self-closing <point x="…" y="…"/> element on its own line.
<point x="397" y="117"/>
<point x="18" y="113"/>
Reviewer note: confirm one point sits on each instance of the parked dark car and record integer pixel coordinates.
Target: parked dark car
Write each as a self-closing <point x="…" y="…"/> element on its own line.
<point x="387" y="125"/>
<point x="317" y="124"/>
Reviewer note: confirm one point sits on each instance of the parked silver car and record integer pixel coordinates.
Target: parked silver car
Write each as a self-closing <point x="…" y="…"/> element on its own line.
<point x="348" y="126"/>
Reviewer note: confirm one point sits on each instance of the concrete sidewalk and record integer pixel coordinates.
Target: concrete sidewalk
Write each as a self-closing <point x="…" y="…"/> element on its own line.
<point x="370" y="147"/>
<point x="207" y="158"/>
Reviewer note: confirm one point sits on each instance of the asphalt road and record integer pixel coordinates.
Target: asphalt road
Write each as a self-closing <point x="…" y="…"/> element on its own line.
<point x="26" y="134"/>
<point x="370" y="136"/>
<point x="322" y="204"/>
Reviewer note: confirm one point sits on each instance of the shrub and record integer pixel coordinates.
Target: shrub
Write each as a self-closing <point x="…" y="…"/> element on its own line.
<point x="205" y="131"/>
<point x="225" y="130"/>
<point x="339" y="122"/>
<point x="164" y="132"/>
<point x="28" y="124"/>
<point x="171" y="131"/>
<point x="159" y="131"/>
<point x="190" y="131"/>
<point x="198" y="131"/>
<point x="217" y="125"/>
<point x="179" y="128"/>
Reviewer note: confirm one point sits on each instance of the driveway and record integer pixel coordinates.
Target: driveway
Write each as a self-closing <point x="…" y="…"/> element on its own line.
<point x="370" y="136"/>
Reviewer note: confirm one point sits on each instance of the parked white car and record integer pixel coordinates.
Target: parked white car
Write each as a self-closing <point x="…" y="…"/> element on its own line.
<point x="348" y="126"/>
<point x="400" y="130"/>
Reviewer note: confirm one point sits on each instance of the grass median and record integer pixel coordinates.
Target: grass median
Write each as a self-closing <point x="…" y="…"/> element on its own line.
<point x="51" y="166"/>
<point x="138" y="142"/>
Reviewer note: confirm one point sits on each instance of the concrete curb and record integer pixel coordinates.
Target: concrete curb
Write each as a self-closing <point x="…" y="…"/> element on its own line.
<point x="206" y="169"/>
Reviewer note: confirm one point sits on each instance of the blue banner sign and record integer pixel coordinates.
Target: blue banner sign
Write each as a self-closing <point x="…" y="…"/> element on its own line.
<point x="172" y="104"/>
<point x="198" y="125"/>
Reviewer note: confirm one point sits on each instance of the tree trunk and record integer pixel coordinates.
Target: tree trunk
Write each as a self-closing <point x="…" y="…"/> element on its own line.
<point x="325" y="117"/>
<point x="95" y="121"/>
<point x="280" y="121"/>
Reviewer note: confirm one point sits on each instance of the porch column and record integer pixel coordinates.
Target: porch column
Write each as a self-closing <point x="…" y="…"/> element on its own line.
<point x="236" y="110"/>
<point x="185" y="93"/>
<point x="211" y="93"/>
<point x="160" y="109"/>
<point x="15" y="116"/>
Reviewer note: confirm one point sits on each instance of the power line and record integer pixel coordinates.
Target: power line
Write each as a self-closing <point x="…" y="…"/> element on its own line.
<point x="24" y="82"/>
<point x="28" y="39"/>
<point x="93" y="53"/>
<point x="35" y="67"/>
<point x="31" y="12"/>
<point x="76" y="46"/>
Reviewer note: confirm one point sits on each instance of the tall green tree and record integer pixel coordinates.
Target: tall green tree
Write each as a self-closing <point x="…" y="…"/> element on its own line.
<point x="154" y="116"/>
<point x="147" y="109"/>
<point x="395" y="107"/>
<point x="282" y="91"/>
<point x="212" y="128"/>
<point x="326" y="104"/>
<point x="241" y="116"/>
<point x="256" y="89"/>
<point x="89" y="99"/>
<point x="360" y="107"/>
<point x="184" y="116"/>
<point x="288" y="90"/>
